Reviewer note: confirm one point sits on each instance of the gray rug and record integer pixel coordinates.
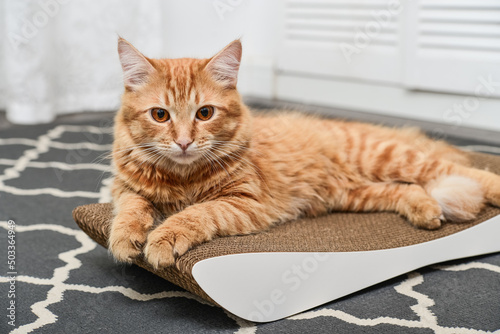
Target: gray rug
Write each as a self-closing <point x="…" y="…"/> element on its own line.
<point x="64" y="283"/>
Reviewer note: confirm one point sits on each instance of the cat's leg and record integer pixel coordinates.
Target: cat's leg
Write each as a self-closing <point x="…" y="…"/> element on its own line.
<point x="130" y="226"/>
<point x="413" y="166"/>
<point x="490" y="182"/>
<point x="201" y="222"/>
<point x="409" y="200"/>
<point x="445" y="171"/>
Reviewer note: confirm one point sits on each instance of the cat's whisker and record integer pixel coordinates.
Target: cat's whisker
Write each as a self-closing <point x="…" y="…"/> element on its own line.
<point x="255" y="168"/>
<point x="150" y="158"/>
<point x="238" y="155"/>
<point x="208" y="162"/>
<point x="240" y="144"/>
<point x="144" y="155"/>
<point x="137" y="149"/>
<point x="214" y="158"/>
<point x="220" y="163"/>
<point x="101" y="157"/>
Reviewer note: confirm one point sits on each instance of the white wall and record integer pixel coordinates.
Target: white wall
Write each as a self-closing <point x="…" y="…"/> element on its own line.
<point x="200" y="28"/>
<point x="314" y="69"/>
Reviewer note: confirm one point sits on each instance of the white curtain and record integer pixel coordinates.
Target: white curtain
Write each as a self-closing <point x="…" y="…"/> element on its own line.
<point x="59" y="56"/>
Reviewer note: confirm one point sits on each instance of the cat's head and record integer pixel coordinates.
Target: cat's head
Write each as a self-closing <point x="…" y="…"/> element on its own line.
<point x="181" y="111"/>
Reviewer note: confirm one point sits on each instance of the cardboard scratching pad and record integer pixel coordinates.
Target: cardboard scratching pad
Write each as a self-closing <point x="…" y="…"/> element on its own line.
<point x="305" y="263"/>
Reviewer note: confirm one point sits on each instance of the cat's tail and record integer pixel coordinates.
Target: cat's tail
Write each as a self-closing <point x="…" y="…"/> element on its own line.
<point x="460" y="198"/>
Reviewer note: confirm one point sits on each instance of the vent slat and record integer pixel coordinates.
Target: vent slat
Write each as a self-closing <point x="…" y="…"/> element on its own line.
<point x="338" y="4"/>
<point x="332" y="22"/>
<point x="348" y="11"/>
<point x="459" y="42"/>
<point x="459" y="25"/>
<point x="337" y="37"/>
<point x="451" y="29"/>
<point x="458" y="4"/>
<point x="460" y="16"/>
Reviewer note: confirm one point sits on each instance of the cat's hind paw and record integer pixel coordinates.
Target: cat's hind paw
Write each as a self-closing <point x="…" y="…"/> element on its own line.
<point x="431" y="224"/>
<point x="493" y="193"/>
<point x="425" y="214"/>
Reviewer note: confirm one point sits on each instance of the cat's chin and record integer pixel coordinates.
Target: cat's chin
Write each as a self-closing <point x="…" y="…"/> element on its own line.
<point x="184" y="159"/>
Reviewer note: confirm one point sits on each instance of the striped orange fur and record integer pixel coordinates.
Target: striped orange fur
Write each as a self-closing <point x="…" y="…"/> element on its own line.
<point x="192" y="163"/>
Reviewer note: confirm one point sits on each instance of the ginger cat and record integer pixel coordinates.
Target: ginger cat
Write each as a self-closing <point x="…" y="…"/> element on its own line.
<point x="191" y="163"/>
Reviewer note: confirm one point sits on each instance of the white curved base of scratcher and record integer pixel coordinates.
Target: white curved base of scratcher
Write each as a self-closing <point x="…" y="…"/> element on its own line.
<point x="269" y="286"/>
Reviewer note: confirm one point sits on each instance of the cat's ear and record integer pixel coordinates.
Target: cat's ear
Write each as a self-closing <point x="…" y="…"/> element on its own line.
<point x="223" y="67"/>
<point x="136" y="67"/>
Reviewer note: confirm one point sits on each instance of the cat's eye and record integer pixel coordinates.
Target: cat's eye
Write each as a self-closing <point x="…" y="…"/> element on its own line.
<point x="160" y="115"/>
<point x="205" y="113"/>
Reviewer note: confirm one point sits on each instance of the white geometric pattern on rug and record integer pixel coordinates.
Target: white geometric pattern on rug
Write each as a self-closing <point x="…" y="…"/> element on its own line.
<point x="421" y="309"/>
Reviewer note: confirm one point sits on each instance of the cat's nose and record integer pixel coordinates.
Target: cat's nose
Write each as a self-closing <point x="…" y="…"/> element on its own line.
<point x="184" y="143"/>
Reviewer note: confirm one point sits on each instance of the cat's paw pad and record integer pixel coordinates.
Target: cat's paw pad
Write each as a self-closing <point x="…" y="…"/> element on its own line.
<point x="164" y="245"/>
<point x="126" y="243"/>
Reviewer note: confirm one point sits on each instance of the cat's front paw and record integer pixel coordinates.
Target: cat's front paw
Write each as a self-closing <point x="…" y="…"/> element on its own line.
<point x="165" y="244"/>
<point x="126" y="241"/>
